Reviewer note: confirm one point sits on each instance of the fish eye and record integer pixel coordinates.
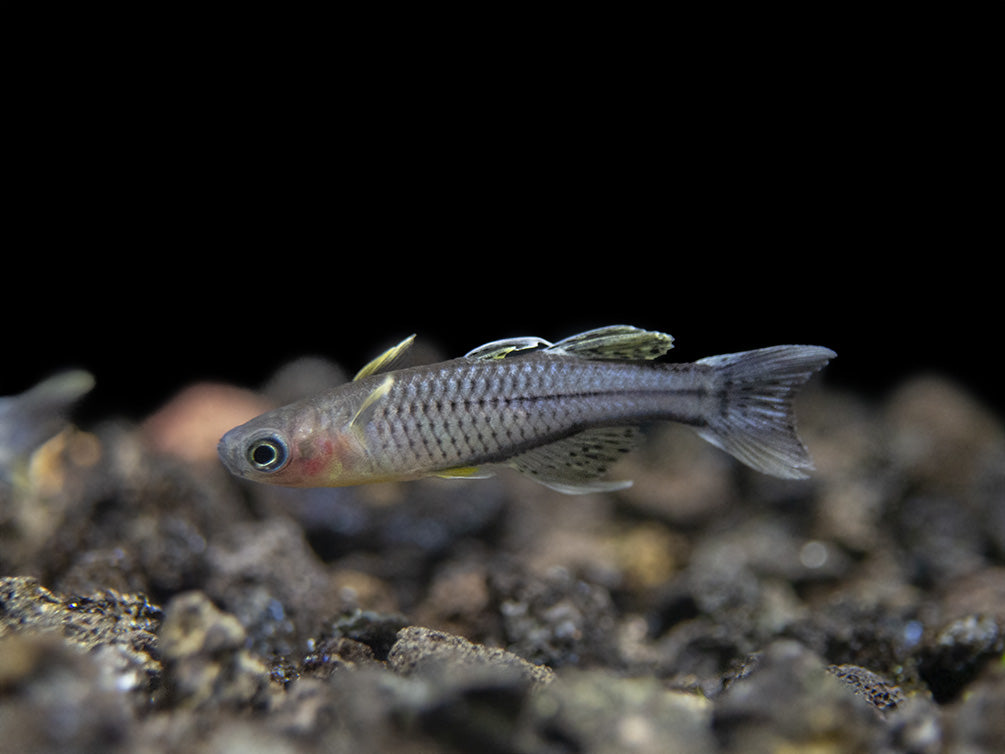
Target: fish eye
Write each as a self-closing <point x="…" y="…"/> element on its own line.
<point x="268" y="453"/>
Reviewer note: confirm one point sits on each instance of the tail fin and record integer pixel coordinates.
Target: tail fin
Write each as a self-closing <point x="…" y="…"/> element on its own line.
<point x="755" y="422"/>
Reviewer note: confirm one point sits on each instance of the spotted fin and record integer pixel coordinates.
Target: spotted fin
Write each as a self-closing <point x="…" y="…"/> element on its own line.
<point x="615" y="342"/>
<point x="574" y="465"/>
<point x="386" y="360"/>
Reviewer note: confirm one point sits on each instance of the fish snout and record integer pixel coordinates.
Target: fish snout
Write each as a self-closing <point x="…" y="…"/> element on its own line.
<point x="229" y="450"/>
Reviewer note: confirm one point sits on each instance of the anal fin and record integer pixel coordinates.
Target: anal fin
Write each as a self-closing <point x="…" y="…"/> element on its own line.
<point x="574" y="465"/>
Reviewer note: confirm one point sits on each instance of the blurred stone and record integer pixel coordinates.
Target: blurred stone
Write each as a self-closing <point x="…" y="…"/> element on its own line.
<point x="555" y="619"/>
<point x="127" y="624"/>
<point x="878" y="691"/>
<point x="265" y="574"/>
<point x="677" y="476"/>
<point x="416" y="649"/>
<point x="206" y="664"/>
<point x="975" y="722"/>
<point x="958" y="653"/>
<point x="191" y="424"/>
<point x="789" y="702"/>
<point x="55" y="697"/>
<point x="939" y="435"/>
<point x="599" y="711"/>
<point x="300" y="378"/>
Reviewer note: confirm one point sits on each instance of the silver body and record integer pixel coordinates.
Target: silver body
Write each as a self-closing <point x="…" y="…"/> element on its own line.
<point x="463" y="413"/>
<point x="560" y="413"/>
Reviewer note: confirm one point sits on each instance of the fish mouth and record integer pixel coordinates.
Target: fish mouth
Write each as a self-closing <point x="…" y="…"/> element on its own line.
<point x="229" y="451"/>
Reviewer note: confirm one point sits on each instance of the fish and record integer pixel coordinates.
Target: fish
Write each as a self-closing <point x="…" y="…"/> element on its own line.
<point x="560" y="413"/>
<point x="31" y="418"/>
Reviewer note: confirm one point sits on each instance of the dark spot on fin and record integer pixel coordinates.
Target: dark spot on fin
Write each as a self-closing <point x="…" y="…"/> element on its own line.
<point x="622" y="342"/>
<point x="574" y="465"/>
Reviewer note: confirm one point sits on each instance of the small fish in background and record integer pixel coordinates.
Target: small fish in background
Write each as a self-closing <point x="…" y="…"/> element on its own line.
<point x="28" y="420"/>
<point x="561" y="413"/>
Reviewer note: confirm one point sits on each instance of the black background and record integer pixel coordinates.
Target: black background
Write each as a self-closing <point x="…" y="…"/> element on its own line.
<point x="149" y="324"/>
<point x="214" y="224"/>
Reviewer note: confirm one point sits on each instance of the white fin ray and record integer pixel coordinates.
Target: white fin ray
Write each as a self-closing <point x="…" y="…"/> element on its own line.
<point x="500" y="349"/>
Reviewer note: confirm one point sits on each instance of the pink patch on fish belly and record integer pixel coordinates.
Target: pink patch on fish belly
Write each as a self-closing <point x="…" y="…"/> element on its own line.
<point x="319" y="460"/>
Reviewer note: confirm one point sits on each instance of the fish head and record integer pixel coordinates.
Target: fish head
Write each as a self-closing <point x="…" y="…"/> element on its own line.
<point x="287" y="447"/>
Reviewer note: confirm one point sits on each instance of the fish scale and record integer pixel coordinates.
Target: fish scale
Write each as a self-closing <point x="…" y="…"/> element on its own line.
<point x="452" y="417"/>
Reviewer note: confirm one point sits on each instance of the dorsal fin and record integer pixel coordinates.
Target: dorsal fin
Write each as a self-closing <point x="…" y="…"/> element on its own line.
<point x="615" y="342"/>
<point x="500" y="349"/>
<point x="386" y="360"/>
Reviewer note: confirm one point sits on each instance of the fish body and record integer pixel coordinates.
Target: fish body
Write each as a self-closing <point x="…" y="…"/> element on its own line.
<point x="560" y="413"/>
<point x="31" y="418"/>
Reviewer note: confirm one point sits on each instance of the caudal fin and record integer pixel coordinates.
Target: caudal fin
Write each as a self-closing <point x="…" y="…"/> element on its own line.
<point x="755" y="422"/>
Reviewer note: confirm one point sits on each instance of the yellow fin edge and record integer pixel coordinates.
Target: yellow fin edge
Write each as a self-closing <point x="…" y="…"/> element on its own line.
<point x="385" y="360"/>
<point x="463" y="472"/>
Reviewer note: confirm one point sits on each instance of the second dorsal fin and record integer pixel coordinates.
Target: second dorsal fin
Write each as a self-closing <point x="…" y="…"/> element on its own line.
<point x="615" y="342"/>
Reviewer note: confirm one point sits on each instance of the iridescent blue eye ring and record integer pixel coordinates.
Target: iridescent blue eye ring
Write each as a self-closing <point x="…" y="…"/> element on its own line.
<point x="268" y="453"/>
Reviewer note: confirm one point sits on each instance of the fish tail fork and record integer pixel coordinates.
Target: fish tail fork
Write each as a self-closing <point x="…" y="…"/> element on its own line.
<point x="754" y="420"/>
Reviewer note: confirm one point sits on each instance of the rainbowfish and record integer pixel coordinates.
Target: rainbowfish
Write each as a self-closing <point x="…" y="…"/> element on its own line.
<point x="560" y="413"/>
<point x="38" y="414"/>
